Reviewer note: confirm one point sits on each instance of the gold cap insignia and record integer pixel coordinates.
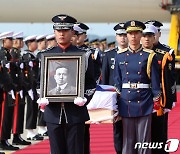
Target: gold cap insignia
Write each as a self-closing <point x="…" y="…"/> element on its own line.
<point x="133" y="23"/>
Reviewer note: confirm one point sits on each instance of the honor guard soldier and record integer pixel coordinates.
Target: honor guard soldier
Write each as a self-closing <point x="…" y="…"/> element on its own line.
<point x="108" y="77"/>
<point x="17" y="77"/>
<point x="166" y="66"/>
<point x="111" y="45"/>
<point x="8" y="96"/>
<point x="137" y="82"/>
<point x="96" y="56"/>
<point x="66" y="121"/>
<point x="51" y="41"/>
<point x="82" y="35"/>
<point x="41" y="42"/>
<point x="103" y="43"/>
<point x="41" y="45"/>
<point x="31" y="74"/>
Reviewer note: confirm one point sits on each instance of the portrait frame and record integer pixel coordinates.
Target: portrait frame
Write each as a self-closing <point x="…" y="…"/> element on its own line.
<point x="51" y="64"/>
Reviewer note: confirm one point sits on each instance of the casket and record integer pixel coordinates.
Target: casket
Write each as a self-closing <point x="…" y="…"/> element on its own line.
<point x="101" y="116"/>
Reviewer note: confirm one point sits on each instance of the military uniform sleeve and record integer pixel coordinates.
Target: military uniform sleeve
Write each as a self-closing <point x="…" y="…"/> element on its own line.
<point x="105" y="70"/>
<point x="117" y="76"/>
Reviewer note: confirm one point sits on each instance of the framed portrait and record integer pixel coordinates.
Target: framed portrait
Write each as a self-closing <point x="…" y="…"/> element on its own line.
<point x="62" y="76"/>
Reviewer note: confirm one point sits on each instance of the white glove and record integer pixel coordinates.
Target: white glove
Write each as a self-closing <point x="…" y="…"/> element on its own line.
<point x="31" y="64"/>
<point x="43" y="101"/>
<point x="30" y="93"/>
<point x="21" y="93"/>
<point x="21" y="65"/>
<point x="12" y="94"/>
<point x="80" y="101"/>
<point x="7" y="65"/>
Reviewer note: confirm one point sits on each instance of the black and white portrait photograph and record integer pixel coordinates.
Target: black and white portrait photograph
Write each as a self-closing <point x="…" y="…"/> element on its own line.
<point x="62" y="75"/>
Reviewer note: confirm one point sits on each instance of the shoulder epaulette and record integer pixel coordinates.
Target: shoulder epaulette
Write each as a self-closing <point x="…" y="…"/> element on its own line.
<point x="166" y="46"/>
<point x="122" y="50"/>
<point x="160" y="51"/>
<point x="148" y="50"/>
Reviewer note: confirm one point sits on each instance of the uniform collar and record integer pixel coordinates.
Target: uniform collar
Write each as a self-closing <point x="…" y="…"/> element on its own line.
<point x="135" y="51"/>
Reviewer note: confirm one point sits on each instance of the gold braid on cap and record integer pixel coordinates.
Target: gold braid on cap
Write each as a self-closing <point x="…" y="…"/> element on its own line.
<point x="151" y="55"/>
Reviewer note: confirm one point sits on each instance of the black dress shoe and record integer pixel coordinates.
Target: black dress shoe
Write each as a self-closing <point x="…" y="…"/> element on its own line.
<point x="45" y="134"/>
<point x="4" y="146"/>
<point x="19" y="141"/>
<point x="36" y="138"/>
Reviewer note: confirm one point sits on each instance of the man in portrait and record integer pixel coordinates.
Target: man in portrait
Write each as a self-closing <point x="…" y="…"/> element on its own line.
<point x="62" y="78"/>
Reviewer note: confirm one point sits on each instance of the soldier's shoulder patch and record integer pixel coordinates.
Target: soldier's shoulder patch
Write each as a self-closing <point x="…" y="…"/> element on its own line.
<point x="160" y="51"/>
<point x="166" y="46"/>
<point x="148" y="50"/>
<point x="122" y="50"/>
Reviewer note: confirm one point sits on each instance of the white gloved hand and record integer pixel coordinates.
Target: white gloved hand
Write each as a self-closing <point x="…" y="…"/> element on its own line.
<point x="12" y="94"/>
<point x="21" y="93"/>
<point x="30" y="93"/>
<point x="21" y="65"/>
<point x="30" y="63"/>
<point x="43" y="101"/>
<point x="80" y="101"/>
<point x="7" y="65"/>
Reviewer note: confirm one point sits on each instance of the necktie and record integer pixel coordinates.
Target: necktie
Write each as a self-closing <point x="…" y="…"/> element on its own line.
<point x="58" y="90"/>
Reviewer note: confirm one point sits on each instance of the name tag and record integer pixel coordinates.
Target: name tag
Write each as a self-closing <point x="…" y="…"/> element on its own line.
<point x="122" y="63"/>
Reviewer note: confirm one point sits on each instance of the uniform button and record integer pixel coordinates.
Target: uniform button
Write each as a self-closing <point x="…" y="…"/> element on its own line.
<point x="139" y="73"/>
<point x="126" y="63"/>
<point x="129" y="91"/>
<point x="138" y="82"/>
<point x="138" y="101"/>
<point x="127" y="54"/>
<point x="127" y="72"/>
<point x="129" y="101"/>
<point x="129" y="82"/>
<point x="138" y="91"/>
<point x="139" y="62"/>
<point x="141" y="54"/>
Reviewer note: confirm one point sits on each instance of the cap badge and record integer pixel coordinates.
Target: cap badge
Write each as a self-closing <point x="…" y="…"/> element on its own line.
<point x="121" y="25"/>
<point x="133" y="23"/>
<point x="62" y="17"/>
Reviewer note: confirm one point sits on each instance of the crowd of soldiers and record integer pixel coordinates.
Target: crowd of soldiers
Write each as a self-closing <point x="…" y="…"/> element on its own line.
<point x="20" y="81"/>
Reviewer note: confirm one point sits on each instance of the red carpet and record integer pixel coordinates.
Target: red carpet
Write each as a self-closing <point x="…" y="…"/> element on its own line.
<point x="102" y="137"/>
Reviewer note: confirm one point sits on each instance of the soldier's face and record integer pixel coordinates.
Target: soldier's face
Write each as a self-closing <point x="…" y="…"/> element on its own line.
<point x="157" y="36"/>
<point x="17" y="43"/>
<point x="148" y="41"/>
<point x="81" y="39"/>
<point x="122" y="39"/>
<point x="134" y="37"/>
<point x="63" y="36"/>
<point x="61" y="76"/>
<point x="8" y="43"/>
<point x="74" y="39"/>
<point x="33" y="45"/>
